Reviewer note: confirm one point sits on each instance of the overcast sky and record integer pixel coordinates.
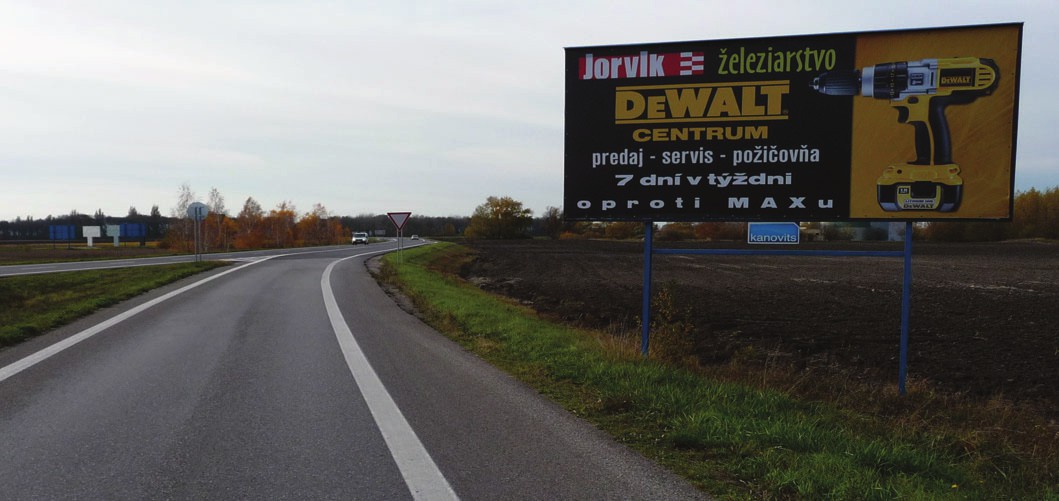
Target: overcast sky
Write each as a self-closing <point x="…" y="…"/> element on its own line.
<point x="372" y="106"/>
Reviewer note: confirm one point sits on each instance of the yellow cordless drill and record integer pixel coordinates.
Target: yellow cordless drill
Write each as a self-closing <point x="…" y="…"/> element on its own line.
<point x="920" y="91"/>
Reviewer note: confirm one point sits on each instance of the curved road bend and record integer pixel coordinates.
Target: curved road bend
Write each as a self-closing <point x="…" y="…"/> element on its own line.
<point x="249" y="387"/>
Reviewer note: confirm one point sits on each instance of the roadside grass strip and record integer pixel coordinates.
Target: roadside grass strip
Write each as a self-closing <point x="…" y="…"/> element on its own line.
<point x="33" y="304"/>
<point x="731" y="440"/>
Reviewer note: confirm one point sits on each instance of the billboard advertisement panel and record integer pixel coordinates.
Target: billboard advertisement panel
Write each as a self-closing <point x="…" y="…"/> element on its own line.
<point x="62" y="232"/>
<point x="133" y="230"/>
<point x="897" y="125"/>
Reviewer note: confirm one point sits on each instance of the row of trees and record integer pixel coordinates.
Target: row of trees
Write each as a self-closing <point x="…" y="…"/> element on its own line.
<point x="1036" y="215"/>
<point x="380" y="224"/>
<point x="252" y="228"/>
<point x="30" y="228"/>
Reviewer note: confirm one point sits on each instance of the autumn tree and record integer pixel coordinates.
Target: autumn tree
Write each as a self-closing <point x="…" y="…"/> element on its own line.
<point x="279" y="225"/>
<point x="318" y="227"/>
<point x="673" y="232"/>
<point x="250" y="232"/>
<point x="1035" y="215"/>
<point x="712" y="230"/>
<point x="623" y="230"/>
<point x="584" y="229"/>
<point x="500" y="218"/>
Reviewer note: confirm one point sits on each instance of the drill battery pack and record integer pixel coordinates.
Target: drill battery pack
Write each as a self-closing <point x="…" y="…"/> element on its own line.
<point x="910" y="187"/>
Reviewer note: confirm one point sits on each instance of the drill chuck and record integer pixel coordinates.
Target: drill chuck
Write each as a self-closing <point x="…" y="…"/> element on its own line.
<point x="891" y="80"/>
<point x="882" y="81"/>
<point x="838" y="83"/>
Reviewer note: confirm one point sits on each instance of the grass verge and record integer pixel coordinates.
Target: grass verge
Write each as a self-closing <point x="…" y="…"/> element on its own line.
<point x="33" y="304"/>
<point x="733" y="440"/>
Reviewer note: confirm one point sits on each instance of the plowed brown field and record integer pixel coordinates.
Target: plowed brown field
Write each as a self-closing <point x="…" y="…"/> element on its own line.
<point x="984" y="321"/>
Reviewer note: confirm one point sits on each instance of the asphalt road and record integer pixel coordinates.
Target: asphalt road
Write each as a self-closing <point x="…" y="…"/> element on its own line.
<point x="291" y="377"/>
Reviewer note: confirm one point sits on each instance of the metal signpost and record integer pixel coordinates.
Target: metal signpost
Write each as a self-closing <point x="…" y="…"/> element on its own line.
<point x="906" y="286"/>
<point x="399" y="219"/>
<point x="835" y="128"/>
<point x="198" y="211"/>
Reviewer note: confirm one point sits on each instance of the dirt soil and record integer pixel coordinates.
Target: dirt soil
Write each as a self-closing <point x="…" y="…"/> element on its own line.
<point x="984" y="317"/>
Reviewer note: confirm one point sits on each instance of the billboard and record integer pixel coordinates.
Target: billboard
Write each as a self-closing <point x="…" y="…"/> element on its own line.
<point x="133" y="230"/>
<point x="896" y="125"/>
<point x="62" y="232"/>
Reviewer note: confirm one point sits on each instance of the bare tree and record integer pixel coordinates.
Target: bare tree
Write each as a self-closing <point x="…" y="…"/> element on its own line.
<point x="553" y="221"/>
<point x="181" y="229"/>
<point x="217" y="209"/>
<point x="185" y="197"/>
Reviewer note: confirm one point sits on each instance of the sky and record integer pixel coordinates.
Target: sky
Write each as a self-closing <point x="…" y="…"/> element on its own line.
<point x="369" y="107"/>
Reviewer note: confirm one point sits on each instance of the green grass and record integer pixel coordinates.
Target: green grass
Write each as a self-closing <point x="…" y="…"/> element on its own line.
<point x="33" y="304"/>
<point x="732" y="440"/>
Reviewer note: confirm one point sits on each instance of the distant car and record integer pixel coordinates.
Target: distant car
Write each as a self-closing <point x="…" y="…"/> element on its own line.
<point x="415" y="237"/>
<point x="360" y="238"/>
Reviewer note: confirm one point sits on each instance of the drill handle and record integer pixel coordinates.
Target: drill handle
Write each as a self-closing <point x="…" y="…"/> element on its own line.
<point x="923" y="143"/>
<point x="939" y="128"/>
<point x="927" y="115"/>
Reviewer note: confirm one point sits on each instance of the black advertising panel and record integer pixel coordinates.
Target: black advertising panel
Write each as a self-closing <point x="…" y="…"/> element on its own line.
<point x="891" y="125"/>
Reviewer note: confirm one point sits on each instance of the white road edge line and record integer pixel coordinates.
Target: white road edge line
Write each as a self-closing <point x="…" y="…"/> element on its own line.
<point x="52" y="350"/>
<point x="421" y="475"/>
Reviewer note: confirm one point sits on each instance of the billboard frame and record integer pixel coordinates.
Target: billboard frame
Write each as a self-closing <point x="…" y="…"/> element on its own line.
<point x="601" y="123"/>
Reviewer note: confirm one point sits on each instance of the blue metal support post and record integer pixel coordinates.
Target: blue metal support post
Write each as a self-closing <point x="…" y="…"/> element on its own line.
<point x="906" y="307"/>
<point x="645" y="317"/>
<point x="906" y="291"/>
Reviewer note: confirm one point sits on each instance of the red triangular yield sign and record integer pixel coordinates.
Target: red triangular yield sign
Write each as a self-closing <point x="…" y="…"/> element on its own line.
<point x="398" y="218"/>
